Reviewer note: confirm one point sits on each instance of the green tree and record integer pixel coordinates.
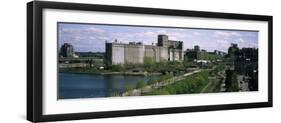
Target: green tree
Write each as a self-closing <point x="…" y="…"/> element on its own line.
<point x="140" y="84"/>
<point x="128" y="86"/>
<point x="231" y="82"/>
<point x="151" y="81"/>
<point x="159" y="92"/>
<point x="116" y="68"/>
<point x="148" y="60"/>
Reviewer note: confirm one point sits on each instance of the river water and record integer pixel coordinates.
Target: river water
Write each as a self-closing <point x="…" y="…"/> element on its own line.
<point x="73" y="86"/>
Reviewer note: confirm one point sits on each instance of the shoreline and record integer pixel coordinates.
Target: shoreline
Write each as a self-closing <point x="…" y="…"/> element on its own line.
<point x="116" y="73"/>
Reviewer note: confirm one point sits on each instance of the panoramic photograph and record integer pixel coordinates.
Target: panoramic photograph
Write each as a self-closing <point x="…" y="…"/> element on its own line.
<point x="106" y="60"/>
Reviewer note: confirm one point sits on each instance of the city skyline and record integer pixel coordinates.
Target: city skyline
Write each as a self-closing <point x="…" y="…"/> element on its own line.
<point x="92" y="37"/>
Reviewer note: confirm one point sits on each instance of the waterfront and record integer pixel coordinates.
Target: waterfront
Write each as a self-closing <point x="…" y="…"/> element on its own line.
<point x="73" y="86"/>
<point x="104" y="64"/>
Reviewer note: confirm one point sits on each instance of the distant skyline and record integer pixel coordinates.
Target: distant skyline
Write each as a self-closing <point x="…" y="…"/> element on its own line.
<point x="92" y="37"/>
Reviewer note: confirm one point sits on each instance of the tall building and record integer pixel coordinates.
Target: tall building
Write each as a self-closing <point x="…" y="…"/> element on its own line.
<point x="233" y="50"/>
<point x="221" y="53"/>
<point x="138" y="53"/>
<point x="197" y="48"/>
<point x="192" y="54"/>
<point x="67" y="50"/>
<point x="246" y="61"/>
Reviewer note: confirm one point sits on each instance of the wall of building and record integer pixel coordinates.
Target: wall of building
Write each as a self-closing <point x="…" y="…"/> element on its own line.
<point x="117" y="54"/>
<point x="153" y="52"/>
<point x="134" y="54"/>
<point x="164" y="56"/>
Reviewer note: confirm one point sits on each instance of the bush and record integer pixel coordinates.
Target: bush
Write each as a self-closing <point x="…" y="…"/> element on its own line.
<point x="231" y="81"/>
<point x="128" y="86"/>
<point x="159" y="92"/>
<point x="151" y="81"/>
<point x="116" y="68"/>
<point x="148" y="60"/>
<point x="140" y="84"/>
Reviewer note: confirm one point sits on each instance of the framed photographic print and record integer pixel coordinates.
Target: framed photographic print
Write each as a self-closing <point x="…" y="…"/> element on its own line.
<point x="94" y="61"/>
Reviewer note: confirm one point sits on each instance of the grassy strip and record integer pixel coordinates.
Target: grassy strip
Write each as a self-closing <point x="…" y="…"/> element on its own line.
<point x="79" y="70"/>
<point x="191" y="84"/>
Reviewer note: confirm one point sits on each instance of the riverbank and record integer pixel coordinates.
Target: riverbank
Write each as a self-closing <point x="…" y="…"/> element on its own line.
<point x="132" y="73"/>
<point x="192" y="82"/>
<point x="106" y="72"/>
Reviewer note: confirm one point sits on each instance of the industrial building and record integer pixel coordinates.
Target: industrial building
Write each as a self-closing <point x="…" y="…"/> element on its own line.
<point x="139" y="53"/>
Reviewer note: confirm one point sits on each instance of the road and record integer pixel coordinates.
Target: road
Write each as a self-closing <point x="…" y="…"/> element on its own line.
<point x="243" y="82"/>
<point x="216" y="84"/>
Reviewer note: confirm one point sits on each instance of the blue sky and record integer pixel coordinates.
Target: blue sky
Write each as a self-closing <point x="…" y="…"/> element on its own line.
<point x="91" y="37"/>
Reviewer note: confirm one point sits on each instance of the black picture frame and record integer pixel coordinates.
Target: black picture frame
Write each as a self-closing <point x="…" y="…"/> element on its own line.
<point x="35" y="69"/>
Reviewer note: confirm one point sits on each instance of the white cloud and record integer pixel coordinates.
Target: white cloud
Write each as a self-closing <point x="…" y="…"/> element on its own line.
<point x="222" y="42"/>
<point x="145" y="34"/>
<point x="225" y="35"/>
<point x="94" y="30"/>
<point x="173" y="38"/>
<point x="90" y="30"/>
<point x="196" y="33"/>
<point x="162" y="31"/>
<point x="240" y="40"/>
